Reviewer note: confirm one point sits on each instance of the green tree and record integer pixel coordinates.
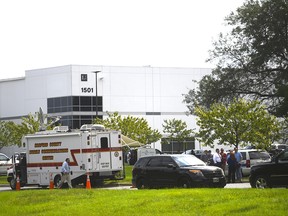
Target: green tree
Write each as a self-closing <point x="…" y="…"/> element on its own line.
<point x="177" y="131"/>
<point x="12" y="133"/>
<point x="133" y="127"/>
<point x="239" y="124"/>
<point x="6" y="136"/>
<point x="251" y="59"/>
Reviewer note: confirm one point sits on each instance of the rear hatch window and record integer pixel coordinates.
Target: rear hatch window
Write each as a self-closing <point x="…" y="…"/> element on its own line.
<point x="259" y="155"/>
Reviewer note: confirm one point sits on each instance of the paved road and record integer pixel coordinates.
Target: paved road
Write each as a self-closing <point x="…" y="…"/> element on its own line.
<point x="238" y="185"/>
<point x="120" y="187"/>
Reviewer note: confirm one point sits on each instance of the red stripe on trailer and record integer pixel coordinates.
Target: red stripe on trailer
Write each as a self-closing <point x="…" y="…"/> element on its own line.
<point x="74" y="161"/>
<point x="91" y="150"/>
<point x="73" y="152"/>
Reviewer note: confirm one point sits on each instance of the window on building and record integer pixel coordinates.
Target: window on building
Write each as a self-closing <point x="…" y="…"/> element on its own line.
<point x="74" y="103"/>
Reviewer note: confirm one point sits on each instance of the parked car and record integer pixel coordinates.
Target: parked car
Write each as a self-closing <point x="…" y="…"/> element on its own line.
<point x="4" y="163"/>
<point x="175" y="171"/>
<point x="273" y="174"/>
<point x="197" y="152"/>
<point x="251" y="157"/>
<point x="279" y="146"/>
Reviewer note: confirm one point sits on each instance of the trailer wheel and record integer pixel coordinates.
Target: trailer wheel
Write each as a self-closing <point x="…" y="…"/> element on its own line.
<point x="13" y="183"/>
<point x="57" y="181"/>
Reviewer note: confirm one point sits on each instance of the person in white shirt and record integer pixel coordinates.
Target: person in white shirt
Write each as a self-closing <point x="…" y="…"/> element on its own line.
<point x="65" y="171"/>
<point x="217" y="158"/>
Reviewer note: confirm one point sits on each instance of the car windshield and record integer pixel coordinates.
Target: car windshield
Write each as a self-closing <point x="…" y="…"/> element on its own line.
<point x="188" y="160"/>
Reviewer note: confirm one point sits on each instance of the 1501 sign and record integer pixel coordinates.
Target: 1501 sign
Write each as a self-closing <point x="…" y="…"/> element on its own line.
<point x="87" y="90"/>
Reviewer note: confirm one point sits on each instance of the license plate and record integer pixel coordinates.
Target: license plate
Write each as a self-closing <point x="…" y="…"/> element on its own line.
<point x="215" y="180"/>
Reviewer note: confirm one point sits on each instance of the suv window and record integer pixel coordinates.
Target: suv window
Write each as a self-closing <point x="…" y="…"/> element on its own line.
<point x="283" y="157"/>
<point x="141" y="162"/>
<point x="154" y="162"/>
<point x="160" y="162"/>
<point x="3" y="158"/>
<point x="243" y="155"/>
<point x="258" y="155"/>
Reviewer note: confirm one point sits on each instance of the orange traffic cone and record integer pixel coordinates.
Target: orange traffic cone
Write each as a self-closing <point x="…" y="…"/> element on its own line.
<point x="88" y="183"/>
<point x="51" y="186"/>
<point x="18" y="184"/>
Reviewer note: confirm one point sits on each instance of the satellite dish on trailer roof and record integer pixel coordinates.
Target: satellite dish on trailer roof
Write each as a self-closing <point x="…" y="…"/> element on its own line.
<point x="41" y="119"/>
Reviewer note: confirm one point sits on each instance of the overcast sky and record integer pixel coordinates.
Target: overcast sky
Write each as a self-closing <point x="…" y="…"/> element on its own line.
<point x="161" y="33"/>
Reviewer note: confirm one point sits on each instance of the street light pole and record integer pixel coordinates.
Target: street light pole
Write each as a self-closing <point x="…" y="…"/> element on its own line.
<point x="96" y="85"/>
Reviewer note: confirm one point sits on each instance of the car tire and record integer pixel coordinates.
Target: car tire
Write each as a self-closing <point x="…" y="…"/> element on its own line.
<point x="141" y="183"/>
<point x="184" y="182"/>
<point x="261" y="182"/>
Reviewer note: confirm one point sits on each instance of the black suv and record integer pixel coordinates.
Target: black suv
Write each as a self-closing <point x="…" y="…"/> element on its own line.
<point x="272" y="174"/>
<point x="175" y="170"/>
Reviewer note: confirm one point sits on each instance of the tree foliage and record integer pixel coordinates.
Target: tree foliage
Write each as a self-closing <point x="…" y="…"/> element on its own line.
<point x="12" y="133"/>
<point x="239" y="124"/>
<point x="177" y="130"/>
<point x="252" y="60"/>
<point x="133" y="127"/>
<point x="6" y="135"/>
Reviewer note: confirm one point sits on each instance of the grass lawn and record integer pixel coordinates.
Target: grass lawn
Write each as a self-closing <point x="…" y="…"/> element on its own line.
<point x="145" y="202"/>
<point x="3" y="179"/>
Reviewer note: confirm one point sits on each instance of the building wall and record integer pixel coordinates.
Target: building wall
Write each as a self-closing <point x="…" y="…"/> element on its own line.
<point x="12" y="98"/>
<point x="154" y="93"/>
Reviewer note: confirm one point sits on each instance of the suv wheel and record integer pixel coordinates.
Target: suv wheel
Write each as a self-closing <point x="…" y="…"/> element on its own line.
<point x="261" y="182"/>
<point x="184" y="182"/>
<point x="141" y="184"/>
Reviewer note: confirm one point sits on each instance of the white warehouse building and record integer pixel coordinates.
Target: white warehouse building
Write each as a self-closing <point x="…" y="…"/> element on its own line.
<point x="154" y="93"/>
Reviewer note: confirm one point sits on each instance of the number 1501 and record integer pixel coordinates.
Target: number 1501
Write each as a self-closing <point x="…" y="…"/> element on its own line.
<point x="87" y="90"/>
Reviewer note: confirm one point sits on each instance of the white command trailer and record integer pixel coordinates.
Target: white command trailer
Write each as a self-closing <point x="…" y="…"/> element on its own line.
<point x="92" y="149"/>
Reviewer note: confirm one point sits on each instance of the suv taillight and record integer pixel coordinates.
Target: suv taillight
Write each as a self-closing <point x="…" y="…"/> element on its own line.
<point x="248" y="163"/>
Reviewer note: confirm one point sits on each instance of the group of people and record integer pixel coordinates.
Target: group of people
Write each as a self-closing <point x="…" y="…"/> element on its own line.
<point x="220" y="158"/>
<point x="234" y="166"/>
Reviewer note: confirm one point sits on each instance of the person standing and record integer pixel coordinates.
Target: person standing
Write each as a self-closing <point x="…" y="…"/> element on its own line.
<point x="238" y="157"/>
<point x="65" y="171"/>
<point x="223" y="159"/>
<point x="205" y="156"/>
<point x="217" y="158"/>
<point x="231" y="161"/>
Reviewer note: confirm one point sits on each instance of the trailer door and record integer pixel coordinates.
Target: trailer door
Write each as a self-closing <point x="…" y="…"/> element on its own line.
<point x="104" y="151"/>
<point x="93" y="161"/>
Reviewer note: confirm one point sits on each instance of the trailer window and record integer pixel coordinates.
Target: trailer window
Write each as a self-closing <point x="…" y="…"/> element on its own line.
<point x="104" y="142"/>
